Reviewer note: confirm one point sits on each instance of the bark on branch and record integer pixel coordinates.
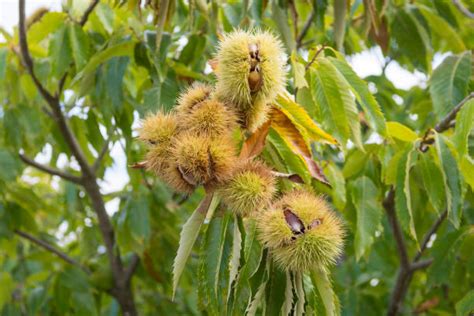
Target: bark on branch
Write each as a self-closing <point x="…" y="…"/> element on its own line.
<point x="446" y="122"/>
<point x="122" y="290"/>
<point x="52" y="171"/>
<point x="43" y="244"/>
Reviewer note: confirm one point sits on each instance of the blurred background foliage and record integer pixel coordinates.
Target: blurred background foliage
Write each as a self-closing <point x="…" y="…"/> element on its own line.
<point x="111" y="62"/>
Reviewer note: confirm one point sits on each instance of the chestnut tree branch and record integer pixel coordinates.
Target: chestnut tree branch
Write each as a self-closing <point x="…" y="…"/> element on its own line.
<point x="52" y="171"/>
<point x="122" y="290"/>
<point x="463" y="10"/>
<point x="445" y="123"/>
<point x="305" y="29"/>
<point x="43" y="244"/>
<point x="88" y="11"/>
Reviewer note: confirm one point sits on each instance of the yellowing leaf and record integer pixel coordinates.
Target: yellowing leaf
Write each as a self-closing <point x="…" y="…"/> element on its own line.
<point x="297" y="113"/>
<point x="401" y="132"/>
<point x="254" y="145"/>
<point x="295" y="140"/>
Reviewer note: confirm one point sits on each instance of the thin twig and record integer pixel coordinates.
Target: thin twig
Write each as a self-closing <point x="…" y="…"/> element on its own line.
<point x="50" y="248"/>
<point x="130" y="270"/>
<point x="26" y="57"/>
<point x="445" y="123"/>
<point x="430" y="233"/>
<point x="305" y="29"/>
<point x="420" y="265"/>
<point x="463" y="10"/>
<point x="161" y="24"/>
<point x="52" y="171"/>
<point x="389" y="205"/>
<point x="88" y="11"/>
<point x="101" y="155"/>
<point x="314" y="57"/>
<point x="122" y="289"/>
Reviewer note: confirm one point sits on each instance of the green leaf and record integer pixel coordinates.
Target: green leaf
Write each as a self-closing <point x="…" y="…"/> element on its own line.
<point x="6" y="290"/>
<point x="336" y="178"/>
<point x="369" y="213"/>
<point x="431" y="174"/>
<point x="122" y="49"/>
<point x="79" y="44"/>
<point x="288" y="302"/>
<point x="9" y="166"/>
<point x="444" y="252"/>
<point x="410" y="38"/>
<point x="464" y="125"/>
<point x="188" y="236"/>
<point x="366" y="100"/>
<point x="236" y="253"/>
<point x="403" y="201"/>
<point x="326" y="292"/>
<point x="49" y="23"/>
<point x="465" y="306"/>
<point x="442" y="30"/>
<point x="451" y="179"/>
<point x="214" y="261"/>
<point x="337" y="106"/>
<point x="275" y="291"/>
<point x="299" y="309"/>
<point x="449" y="83"/>
<point x="339" y="23"/>
<point x="299" y="72"/>
<point x="401" y="132"/>
<point x="60" y="51"/>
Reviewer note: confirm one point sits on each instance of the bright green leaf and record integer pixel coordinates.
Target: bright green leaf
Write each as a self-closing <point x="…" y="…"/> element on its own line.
<point x="401" y="132"/>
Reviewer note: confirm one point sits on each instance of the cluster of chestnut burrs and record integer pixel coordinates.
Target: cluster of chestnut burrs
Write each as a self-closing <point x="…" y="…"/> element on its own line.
<point x="195" y="145"/>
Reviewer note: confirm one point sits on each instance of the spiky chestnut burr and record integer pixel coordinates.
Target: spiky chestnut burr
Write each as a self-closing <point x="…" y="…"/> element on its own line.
<point x="301" y="232"/>
<point x="157" y="131"/>
<point x="209" y="117"/>
<point x="250" y="74"/>
<point x="202" y="160"/>
<point x="250" y="188"/>
<point x="194" y="95"/>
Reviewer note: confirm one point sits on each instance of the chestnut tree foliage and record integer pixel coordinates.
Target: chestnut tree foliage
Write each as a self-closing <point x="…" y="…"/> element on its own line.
<point x="397" y="165"/>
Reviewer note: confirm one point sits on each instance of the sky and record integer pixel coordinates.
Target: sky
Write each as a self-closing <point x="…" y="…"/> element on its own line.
<point x="366" y="63"/>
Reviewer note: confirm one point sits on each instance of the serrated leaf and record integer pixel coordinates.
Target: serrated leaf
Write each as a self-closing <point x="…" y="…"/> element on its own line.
<point x="122" y="49"/>
<point x="339" y="23"/>
<point x="215" y="261"/>
<point x="236" y="253"/>
<point x="6" y="289"/>
<point x="275" y="291"/>
<point x="60" y="51"/>
<point x="466" y="167"/>
<point x="298" y="72"/>
<point x="431" y="174"/>
<point x="444" y="253"/>
<point x="442" y="30"/>
<point x="296" y="141"/>
<point x="465" y="306"/>
<point x="330" y="301"/>
<point x="369" y="214"/>
<point x="299" y="309"/>
<point x="366" y="100"/>
<point x="449" y="83"/>
<point x="336" y="103"/>
<point x="50" y="22"/>
<point x="402" y="192"/>
<point x="79" y="45"/>
<point x="288" y="302"/>
<point x="451" y="180"/>
<point x="188" y="237"/>
<point x="255" y="143"/>
<point x="298" y="115"/>
<point x="338" y="182"/>
<point x="464" y="126"/>
<point x="401" y="132"/>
